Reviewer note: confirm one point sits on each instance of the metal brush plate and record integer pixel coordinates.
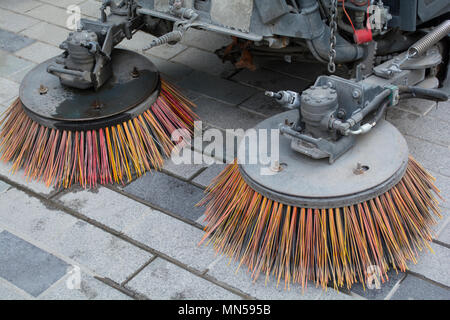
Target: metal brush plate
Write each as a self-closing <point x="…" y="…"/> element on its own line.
<point x="64" y="105"/>
<point x="309" y="183"/>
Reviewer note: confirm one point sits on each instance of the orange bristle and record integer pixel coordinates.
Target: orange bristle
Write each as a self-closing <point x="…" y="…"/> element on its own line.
<point x="330" y="247"/>
<point x="103" y="156"/>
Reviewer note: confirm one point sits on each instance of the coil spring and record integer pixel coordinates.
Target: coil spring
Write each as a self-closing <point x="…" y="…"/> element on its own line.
<point x="421" y="46"/>
<point x="168" y="37"/>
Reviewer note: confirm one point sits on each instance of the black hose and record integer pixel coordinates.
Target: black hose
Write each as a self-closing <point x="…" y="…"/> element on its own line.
<point x="381" y="111"/>
<point x="375" y="103"/>
<point x="423" y="93"/>
<point x="359" y="116"/>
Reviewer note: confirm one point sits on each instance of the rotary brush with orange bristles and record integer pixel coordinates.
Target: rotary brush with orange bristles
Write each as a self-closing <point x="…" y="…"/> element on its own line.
<point x="330" y="246"/>
<point x="330" y="207"/>
<point x="62" y="135"/>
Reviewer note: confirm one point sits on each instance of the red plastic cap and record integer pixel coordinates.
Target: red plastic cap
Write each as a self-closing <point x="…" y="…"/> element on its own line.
<point x="362" y="36"/>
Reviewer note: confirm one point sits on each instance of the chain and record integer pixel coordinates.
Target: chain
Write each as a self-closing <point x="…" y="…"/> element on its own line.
<point x="333" y="30"/>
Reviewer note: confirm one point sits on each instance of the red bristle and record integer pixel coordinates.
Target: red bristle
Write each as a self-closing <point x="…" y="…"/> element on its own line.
<point x="89" y="158"/>
<point x="337" y="246"/>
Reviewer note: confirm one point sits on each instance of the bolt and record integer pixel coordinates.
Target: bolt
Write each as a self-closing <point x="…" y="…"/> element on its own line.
<point x="97" y="105"/>
<point x="135" y="72"/>
<point x="356" y="94"/>
<point x="341" y="114"/>
<point x="360" y="169"/>
<point x="43" y="89"/>
<point x="276" y="167"/>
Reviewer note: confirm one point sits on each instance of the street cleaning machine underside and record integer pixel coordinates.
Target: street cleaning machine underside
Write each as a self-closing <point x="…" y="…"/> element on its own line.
<point x="343" y="197"/>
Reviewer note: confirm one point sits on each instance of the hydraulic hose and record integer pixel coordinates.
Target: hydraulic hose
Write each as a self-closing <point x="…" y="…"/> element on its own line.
<point x="368" y="126"/>
<point x="344" y="127"/>
<point x="423" y="93"/>
<point x="319" y="44"/>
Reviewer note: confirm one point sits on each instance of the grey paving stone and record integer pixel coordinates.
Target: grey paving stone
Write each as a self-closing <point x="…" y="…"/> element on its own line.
<point x="141" y="39"/>
<point x="185" y="166"/>
<point x="89" y="289"/>
<point x="32" y="218"/>
<point x="331" y="294"/>
<point x="19" y="6"/>
<point x="8" y="90"/>
<point x="419" y="107"/>
<point x="230" y="139"/>
<point x="434" y="266"/>
<point x="204" y="61"/>
<point x="262" y="104"/>
<point x="441" y="111"/>
<point x="19" y="178"/>
<point x="174" y="71"/>
<point x="105" y="206"/>
<point x="4" y="187"/>
<point x="168" y="193"/>
<point x="173" y="238"/>
<point x="91" y="8"/>
<point x="162" y="280"/>
<point x="217" y="88"/>
<point x="225" y="116"/>
<point x="241" y="280"/>
<point x="101" y="252"/>
<point x="27" y="266"/>
<point x="11" y="65"/>
<point x="15" y="22"/>
<point x="62" y="3"/>
<point x="432" y="156"/>
<point x="444" y="235"/>
<point x="11" y="42"/>
<point x="206" y="177"/>
<point x="19" y="75"/>
<point x="269" y="80"/>
<point x="427" y="128"/>
<point x="50" y="14"/>
<point x="206" y="40"/>
<point x="38" y="52"/>
<point x="385" y="288"/>
<point x="413" y="288"/>
<point x="303" y="70"/>
<point x="47" y="32"/>
<point x="9" y="292"/>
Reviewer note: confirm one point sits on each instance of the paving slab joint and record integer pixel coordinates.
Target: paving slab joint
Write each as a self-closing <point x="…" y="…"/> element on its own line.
<point x="125" y="290"/>
<point x="418" y="275"/>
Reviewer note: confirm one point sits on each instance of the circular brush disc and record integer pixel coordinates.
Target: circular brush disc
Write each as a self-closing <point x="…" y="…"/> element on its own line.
<point x="334" y="224"/>
<point x="64" y="135"/>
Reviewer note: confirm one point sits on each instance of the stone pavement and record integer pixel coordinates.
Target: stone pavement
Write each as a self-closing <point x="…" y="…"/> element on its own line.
<point x="139" y="241"/>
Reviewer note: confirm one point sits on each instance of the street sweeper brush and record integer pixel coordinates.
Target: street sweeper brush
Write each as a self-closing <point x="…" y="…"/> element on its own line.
<point x="95" y="113"/>
<point x="339" y="199"/>
<point x="64" y="135"/>
<point x="335" y="240"/>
